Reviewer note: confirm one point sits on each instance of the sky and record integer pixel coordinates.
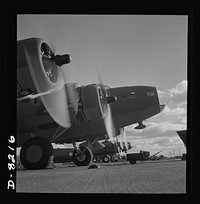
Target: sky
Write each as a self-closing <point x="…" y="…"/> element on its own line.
<point x="127" y="50"/>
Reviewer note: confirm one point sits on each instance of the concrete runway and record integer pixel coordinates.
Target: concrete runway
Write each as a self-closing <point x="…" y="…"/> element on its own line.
<point x="149" y="177"/>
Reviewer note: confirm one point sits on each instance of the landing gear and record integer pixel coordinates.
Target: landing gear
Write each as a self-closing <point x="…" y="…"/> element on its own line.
<point x="106" y="159"/>
<point x="36" y="153"/>
<point x="82" y="156"/>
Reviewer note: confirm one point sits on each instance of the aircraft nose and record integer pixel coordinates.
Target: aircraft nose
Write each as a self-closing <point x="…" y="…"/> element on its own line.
<point x="164" y="98"/>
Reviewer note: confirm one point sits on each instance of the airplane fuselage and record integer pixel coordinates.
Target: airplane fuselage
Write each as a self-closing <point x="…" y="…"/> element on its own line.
<point x="134" y="104"/>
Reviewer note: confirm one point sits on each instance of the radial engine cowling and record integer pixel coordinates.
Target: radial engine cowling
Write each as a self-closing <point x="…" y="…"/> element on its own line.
<point x="43" y="71"/>
<point x="38" y="72"/>
<point x="93" y="100"/>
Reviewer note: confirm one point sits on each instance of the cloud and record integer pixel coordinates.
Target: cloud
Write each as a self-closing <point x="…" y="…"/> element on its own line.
<point x="171" y="115"/>
<point x="180" y="87"/>
<point x="174" y="97"/>
<point x="164" y="144"/>
<point x="154" y="129"/>
<point x="179" y="93"/>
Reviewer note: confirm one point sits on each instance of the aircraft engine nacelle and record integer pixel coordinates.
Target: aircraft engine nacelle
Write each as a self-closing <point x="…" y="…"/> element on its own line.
<point x="37" y="62"/>
<point x="39" y="54"/>
<point x="92" y="100"/>
<point x="38" y="72"/>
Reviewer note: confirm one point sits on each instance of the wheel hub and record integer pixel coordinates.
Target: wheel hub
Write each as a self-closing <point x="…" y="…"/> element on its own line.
<point x="81" y="156"/>
<point x="106" y="159"/>
<point x="34" y="153"/>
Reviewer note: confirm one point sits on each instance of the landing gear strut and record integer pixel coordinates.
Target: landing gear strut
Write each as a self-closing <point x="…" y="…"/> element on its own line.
<point x="82" y="156"/>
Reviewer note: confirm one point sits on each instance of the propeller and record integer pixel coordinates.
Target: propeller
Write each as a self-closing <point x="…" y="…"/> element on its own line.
<point x="118" y="145"/>
<point x="108" y="121"/>
<point x="48" y="79"/>
<point x="121" y="140"/>
<point x="124" y="138"/>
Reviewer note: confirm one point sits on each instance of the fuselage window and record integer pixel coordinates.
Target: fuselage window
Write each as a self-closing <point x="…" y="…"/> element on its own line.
<point x="132" y="95"/>
<point x="151" y="93"/>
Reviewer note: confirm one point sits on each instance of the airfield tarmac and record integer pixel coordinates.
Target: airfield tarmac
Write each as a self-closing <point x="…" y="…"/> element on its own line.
<point x="162" y="176"/>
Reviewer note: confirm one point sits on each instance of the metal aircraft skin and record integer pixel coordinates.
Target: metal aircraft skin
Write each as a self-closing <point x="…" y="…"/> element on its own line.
<point x="51" y="111"/>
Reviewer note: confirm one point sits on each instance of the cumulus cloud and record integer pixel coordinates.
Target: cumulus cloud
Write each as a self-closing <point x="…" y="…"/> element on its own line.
<point x="180" y="87"/>
<point x="171" y="115"/>
<point x="164" y="144"/>
<point x="179" y="93"/>
<point x="153" y="130"/>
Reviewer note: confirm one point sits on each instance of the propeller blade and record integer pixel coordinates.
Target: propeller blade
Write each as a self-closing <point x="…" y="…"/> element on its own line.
<point x="55" y="102"/>
<point x="57" y="106"/>
<point x="108" y="122"/>
<point x="121" y="140"/>
<point x="125" y="139"/>
<point x="51" y="39"/>
<point x="33" y="96"/>
<point x="69" y="76"/>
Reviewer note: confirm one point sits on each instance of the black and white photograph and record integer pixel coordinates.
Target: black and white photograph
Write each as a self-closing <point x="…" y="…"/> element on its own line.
<point x="101" y="103"/>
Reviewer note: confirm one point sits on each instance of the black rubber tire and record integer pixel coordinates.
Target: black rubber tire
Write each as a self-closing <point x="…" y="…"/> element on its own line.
<point x="132" y="161"/>
<point x="88" y="156"/>
<point x="46" y="156"/>
<point x="106" y="159"/>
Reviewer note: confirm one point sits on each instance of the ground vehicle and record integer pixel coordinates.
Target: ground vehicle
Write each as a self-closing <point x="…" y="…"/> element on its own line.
<point x="134" y="157"/>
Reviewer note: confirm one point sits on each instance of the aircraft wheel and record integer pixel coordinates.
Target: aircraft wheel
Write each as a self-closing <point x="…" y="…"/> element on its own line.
<point x="82" y="157"/>
<point x="36" y="153"/>
<point x="106" y="159"/>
